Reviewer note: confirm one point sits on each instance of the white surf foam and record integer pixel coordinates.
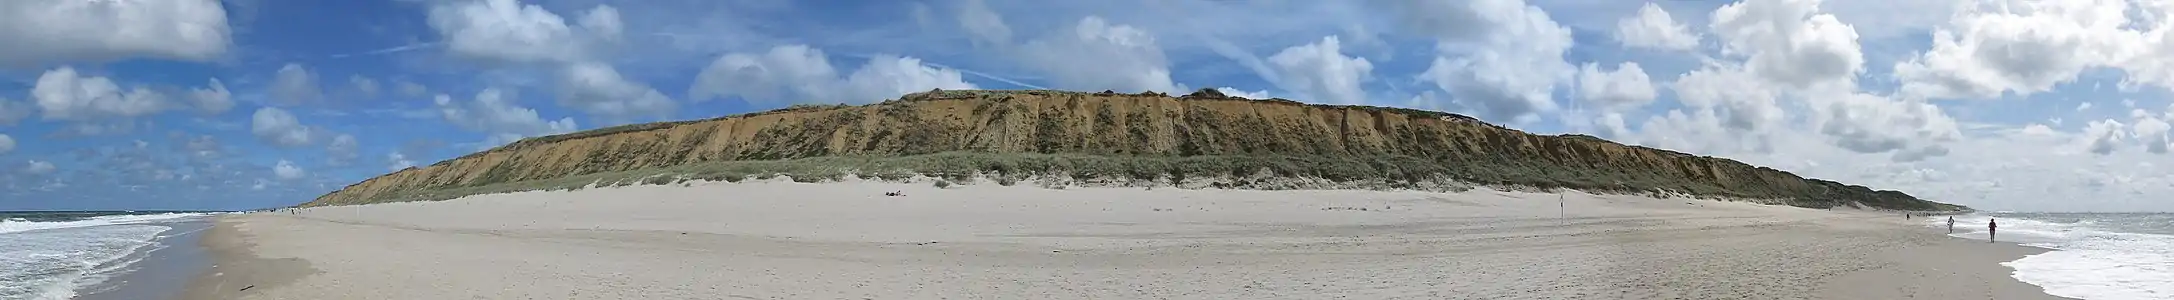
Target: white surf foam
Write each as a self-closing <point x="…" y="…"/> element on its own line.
<point x="51" y="260"/>
<point x="19" y="225"/>
<point x="51" y="264"/>
<point x="2087" y="262"/>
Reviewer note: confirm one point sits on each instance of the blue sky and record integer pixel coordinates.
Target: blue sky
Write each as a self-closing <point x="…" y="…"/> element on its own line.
<point x="2001" y="104"/>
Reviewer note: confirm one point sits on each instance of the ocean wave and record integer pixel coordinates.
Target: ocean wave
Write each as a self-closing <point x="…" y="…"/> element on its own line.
<point x="18" y="225"/>
<point x="2090" y="259"/>
<point x="51" y="264"/>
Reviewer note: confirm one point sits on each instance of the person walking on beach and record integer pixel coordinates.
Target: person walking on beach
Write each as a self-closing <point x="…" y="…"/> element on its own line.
<point x="1991" y="229"/>
<point x="1951" y="224"/>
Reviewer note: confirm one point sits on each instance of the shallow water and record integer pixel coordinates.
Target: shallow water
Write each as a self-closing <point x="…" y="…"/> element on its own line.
<point x="53" y="259"/>
<point x="2096" y="256"/>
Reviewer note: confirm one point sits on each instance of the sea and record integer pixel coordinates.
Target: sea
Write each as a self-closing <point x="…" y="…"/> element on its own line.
<point x="2096" y="256"/>
<point x="62" y="254"/>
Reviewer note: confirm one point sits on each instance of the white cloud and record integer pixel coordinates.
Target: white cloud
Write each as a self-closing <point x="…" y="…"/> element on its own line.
<point x="1243" y="94"/>
<point x="2023" y="46"/>
<point x="986" y="27"/>
<point x="1097" y="55"/>
<point x="493" y="113"/>
<point x="48" y="31"/>
<point x="213" y="98"/>
<point x="2103" y="136"/>
<point x="2152" y="132"/>
<point x="1500" y="57"/>
<point x="200" y="148"/>
<point x="66" y="95"/>
<point x="277" y="127"/>
<point x="342" y="150"/>
<point x="603" y="22"/>
<point x="599" y="90"/>
<point x="798" y="73"/>
<point x="1790" y="42"/>
<point x="39" y="167"/>
<point x="1739" y="100"/>
<point x="1626" y="87"/>
<point x="286" y="170"/>
<point x="1321" y="72"/>
<point x="7" y="144"/>
<point x="294" y="84"/>
<point x="1653" y="28"/>
<point x="1700" y="131"/>
<point x="363" y="85"/>
<point x="510" y="31"/>
<point x="1875" y="124"/>
<point x="2083" y="106"/>
<point x="395" y="161"/>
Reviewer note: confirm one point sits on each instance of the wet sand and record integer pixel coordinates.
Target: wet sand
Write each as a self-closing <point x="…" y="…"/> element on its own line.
<point x="782" y="240"/>
<point x="164" y="270"/>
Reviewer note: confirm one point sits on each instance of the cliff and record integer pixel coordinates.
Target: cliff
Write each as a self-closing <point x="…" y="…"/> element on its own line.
<point x="1105" y="137"/>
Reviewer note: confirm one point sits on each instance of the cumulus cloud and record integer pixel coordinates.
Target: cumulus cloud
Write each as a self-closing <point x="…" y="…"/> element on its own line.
<point x="363" y="86"/>
<point x="1653" y="28"/>
<point x="286" y="170"/>
<point x="602" y="22"/>
<point x="493" y="113"/>
<point x="512" y="32"/>
<point x="67" y="95"/>
<point x="2027" y="47"/>
<point x="1875" y="124"/>
<point x="200" y="148"/>
<point x="395" y="161"/>
<point x="1740" y="100"/>
<point x="985" y="26"/>
<point x="39" y="167"/>
<point x="213" y="98"/>
<point x="1500" y="57"/>
<point x="2102" y="136"/>
<point x="1243" y="94"/>
<point x="49" y="31"/>
<point x="2152" y="132"/>
<point x="277" y="127"/>
<point x="1095" y="54"/>
<point x="798" y="73"/>
<point x="1321" y="72"/>
<point x="294" y="84"/>
<point x="599" y="90"/>
<point x="1790" y="42"/>
<point x="7" y="144"/>
<point x="1701" y="131"/>
<point x="1626" y="87"/>
<point x="342" y="150"/>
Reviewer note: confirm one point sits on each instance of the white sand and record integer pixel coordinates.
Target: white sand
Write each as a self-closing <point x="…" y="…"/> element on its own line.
<point x="782" y="240"/>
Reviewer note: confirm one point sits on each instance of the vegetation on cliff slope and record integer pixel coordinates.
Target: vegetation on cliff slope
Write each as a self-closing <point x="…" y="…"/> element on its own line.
<point x="1104" y="137"/>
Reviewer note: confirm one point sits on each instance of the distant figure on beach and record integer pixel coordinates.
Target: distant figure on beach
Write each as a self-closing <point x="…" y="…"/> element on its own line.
<point x="1991" y="229"/>
<point x="1951" y="224"/>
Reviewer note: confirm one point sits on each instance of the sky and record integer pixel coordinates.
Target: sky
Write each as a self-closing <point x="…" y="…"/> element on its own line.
<point x="2019" y="105"/>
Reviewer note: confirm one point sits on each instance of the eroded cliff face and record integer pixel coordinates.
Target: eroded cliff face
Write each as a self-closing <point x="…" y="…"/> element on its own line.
<point x="1121" y="125"/>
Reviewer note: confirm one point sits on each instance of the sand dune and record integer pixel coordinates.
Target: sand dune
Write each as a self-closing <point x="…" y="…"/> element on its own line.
<point x="782" y="240"/>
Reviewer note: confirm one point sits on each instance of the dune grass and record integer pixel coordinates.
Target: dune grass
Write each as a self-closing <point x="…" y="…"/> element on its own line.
<point x="1005" y="168"/>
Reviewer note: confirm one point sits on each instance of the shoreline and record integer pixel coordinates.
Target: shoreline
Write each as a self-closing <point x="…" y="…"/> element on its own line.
<point x="236" y="271"/>
<point x="793" y="240"/>
<point x="159" y="271"/>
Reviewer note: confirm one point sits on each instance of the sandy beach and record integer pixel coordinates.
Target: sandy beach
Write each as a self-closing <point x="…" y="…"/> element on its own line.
<point x="783" y="240"/>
